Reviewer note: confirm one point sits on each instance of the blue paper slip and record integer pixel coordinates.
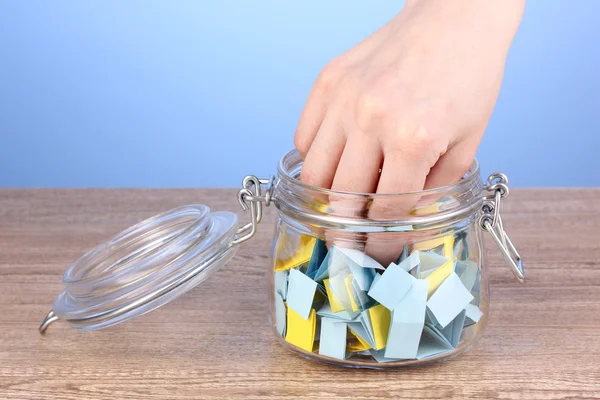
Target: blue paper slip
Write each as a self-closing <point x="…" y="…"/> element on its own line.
<point x="411" y="261"/>
<point x="375" y="279"/>
<point x="431" y="344"/>
<point x="360" y="258"/>
<point x="450" y="298"/>
<point x="403" y="255"/>
<point x="280" y="314"/>
<point x="301" y="292"/>
<point x="468" y="272"/>
<point x="362" y="300"/>
<point x="335" y="262"/>
<point x="379" y="355"/>
<point x="472" y="314"/>
<point x="476" y="292"/>
<point x="392" y="286"/>
<point x="318" y="255"/>
<point x="407" y="323"/>
<point x="333" y="338"/>
<point x="362" y="276"/>
<point x="326" y="312"/>
<point x="358" y="328"/>
<point x="454" y="329"/>
<point x="281" y="283"/>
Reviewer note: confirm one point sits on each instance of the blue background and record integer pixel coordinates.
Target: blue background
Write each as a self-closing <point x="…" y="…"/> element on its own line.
<point x="201" y="93"/>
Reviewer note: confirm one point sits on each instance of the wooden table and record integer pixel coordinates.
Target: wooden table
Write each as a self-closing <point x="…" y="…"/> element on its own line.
<point x="542" y="342"/>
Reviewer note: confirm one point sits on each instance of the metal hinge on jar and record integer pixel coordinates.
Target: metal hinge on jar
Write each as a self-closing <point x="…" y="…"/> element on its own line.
<point x="491" y="221"/>
<point x="253" y="200"/>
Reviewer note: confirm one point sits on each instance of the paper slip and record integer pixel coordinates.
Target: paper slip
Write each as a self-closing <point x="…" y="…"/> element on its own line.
<point x="341" y="286"/>
<point x="336" y="305"/>
<point x="407" y="323"/>
<point x="334" y="263"/>
<point x="361" y="297"/>
<point x="280" y="314"/>
<point x="300" y="331"/>
<point x="411" y="261"/>
<point x="392" y="286"/>
<point x="359" y="330"/>
<point x="301" y="292"/>
<point x="476" y="292"/>
<point x="444" y="244"/>
<point x="403" y="255"/>
<point x="333" y="338"/>
<point x="376" y="321"/>
<point x="449" y="300"/>
<point x="431" y="344"/>
<point x="360" y="258"/>
<point x="439" y="275"/>
<point x="468" y="272"/>
<point x="429" y="262"/>
<point x="472" y="314"/>
<point x="318" y="255"/>
<point x="291" y="255"/>
<point x="454" y="329"/>
<point x="362" y="276"/>
<point x="348" y="283"/>
<point x="326" y="311"/>
<point x="359" y="344"/>
<point x="281" y="283"/>
<point x="379" y="355"/>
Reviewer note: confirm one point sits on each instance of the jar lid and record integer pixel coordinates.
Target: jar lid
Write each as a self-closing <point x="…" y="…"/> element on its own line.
<point x="145" y="267"/>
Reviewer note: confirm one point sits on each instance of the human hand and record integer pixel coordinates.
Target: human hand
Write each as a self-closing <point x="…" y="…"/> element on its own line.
<point x="413" y="99"/>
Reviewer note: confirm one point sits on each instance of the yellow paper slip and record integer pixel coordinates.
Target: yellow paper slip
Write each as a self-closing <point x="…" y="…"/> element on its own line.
<point x="301" y="332"/>
<point x="300" y="255"/>
<point x="348" y="281"/>
<point x="446" y="241"/>
<point x="438" y="276"/>
<point x="336" y="305"/>
<point x="357" y="343"/>
<point x="380" y="317"/>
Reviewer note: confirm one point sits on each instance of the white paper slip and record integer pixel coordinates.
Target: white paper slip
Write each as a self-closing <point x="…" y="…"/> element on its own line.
<point x="326" y="312"/>
<point x="454" y="329"/>
<point x="468" y="272"/>
<point x="410" y="262"/>
<point x="360" y="258"/>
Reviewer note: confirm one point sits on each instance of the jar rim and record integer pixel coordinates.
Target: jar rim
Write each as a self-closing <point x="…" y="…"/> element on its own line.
<point x="291" y="163"/>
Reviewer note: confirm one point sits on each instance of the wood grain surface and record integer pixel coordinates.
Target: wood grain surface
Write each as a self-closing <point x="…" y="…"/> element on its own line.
<point x="542" y="341"/>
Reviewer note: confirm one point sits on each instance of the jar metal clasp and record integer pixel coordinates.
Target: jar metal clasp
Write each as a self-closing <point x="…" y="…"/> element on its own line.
<point x="491" y="221"/>
<point x="253" y="200"/>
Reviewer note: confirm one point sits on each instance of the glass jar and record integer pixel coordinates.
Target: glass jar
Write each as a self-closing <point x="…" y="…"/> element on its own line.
<point x="358" y="280"/>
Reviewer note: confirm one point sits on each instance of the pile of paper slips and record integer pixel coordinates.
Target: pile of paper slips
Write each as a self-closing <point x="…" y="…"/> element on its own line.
<point x="340" y="302"/>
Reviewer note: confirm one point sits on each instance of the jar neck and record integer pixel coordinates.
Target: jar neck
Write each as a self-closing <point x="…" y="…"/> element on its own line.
<point x="318" y="208"/>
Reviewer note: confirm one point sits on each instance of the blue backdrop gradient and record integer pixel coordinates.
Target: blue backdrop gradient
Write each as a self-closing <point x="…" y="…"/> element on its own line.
<point x="201" y="93"/>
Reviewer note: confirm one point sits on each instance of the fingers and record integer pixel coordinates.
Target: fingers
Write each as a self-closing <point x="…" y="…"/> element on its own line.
<point x="451" y="166"/>
<point x="324" y="154"/>
<point x="310" y="120"/>
<point x="316" y="107"/>
<point x="403" y="172"/>
<point x="358" y="170"/>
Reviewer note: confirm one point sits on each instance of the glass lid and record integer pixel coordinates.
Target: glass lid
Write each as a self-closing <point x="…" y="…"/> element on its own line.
<point x="144" y="267"/>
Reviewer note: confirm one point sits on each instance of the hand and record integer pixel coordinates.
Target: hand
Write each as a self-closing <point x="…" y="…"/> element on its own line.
<point x="413" y="100"/>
